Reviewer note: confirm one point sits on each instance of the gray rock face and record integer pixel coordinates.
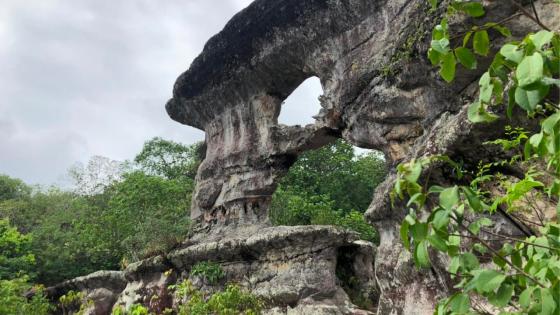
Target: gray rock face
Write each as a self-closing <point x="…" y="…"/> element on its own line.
<point x="294" y="269"/>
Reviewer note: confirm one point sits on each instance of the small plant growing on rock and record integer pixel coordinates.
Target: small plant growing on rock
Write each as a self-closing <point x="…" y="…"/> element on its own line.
<point x="135" y="309"/>
<point x="231" y="301"/>
<point x="72" y="300"/>
<point x="210" y="271"/>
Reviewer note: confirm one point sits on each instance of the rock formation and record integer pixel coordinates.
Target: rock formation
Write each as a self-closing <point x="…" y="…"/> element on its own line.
<point x="380" y="92"/>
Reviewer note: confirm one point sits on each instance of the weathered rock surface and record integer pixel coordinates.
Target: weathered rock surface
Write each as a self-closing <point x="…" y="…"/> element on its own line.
<point x="380" y="92"/>
<point x="292" y="268"/>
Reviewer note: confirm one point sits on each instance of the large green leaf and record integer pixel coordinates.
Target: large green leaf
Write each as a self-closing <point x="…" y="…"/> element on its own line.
<point x="449" y="197"/>
<point x="541" y="38"/>
<point x="460" y="303"/>
<point x="441" y="219"/>
<point x="530" y="70"/>
<point x="466" y="57"/>
<point x="404" y="234"/>
<point x="528" y="99"/>
<point x="437" y="242"/>
<point x="486" y="87"/>
<point x="512" y="53"/>
<point x="421" y="254"/>
<point x="419" y="231"/>
<point x="481" y="43"/>
<point x="474" y="9"/>
<point x="488" y="280"/>
<point x="503" y="296"/>
<point x="548" y="306"/>
<point x="447" y="65"/>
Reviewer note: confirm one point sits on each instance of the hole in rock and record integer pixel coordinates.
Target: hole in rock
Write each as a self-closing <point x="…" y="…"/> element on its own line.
<point x="332" y="185"/>
<point x="300" y="107"/>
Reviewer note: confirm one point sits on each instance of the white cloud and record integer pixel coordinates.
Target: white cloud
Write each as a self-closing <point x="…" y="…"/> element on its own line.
<point x="90" y="77"/>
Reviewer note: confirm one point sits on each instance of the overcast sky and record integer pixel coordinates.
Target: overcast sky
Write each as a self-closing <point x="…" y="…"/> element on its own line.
<point x="87" y="77"/>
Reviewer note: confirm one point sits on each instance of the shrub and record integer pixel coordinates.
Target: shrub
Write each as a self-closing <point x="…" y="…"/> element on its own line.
<point x="210" y="271"/>
<point x="13" y="301"/>
<point x="231" y="301"/>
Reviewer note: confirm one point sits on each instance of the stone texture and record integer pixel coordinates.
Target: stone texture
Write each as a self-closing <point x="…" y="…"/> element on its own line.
<point x="293" y="268"/>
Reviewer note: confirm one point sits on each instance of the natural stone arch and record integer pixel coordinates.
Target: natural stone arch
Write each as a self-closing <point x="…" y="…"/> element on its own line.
<point x="234" y="89"/>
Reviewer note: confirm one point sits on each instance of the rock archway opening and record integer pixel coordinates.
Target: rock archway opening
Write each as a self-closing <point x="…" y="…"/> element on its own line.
<point x="302" y="104"/>
<point x="332" y="185"/>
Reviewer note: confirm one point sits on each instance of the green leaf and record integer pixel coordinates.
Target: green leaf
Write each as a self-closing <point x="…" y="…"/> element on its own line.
<point x="528" y="99"/>
<point x="525" y="297"/>
<point x="467" y="38"/>
<point x="466" y="57"/>
<point x="419" y="231"/>
<point x="438" y="32"/>
<point x="550" y="123"/>
<point x="481" y="43"/>
<point x="449" y="197"/>
<point x="414" y="172"/>
<point x="437" y="242"/>
<point x="433" y="3"/>
<point x="503" y="30"/>
<point x="530" y="70"/>
<point x="469" y="261"/>
<point x="454" y="265"/>
<point x="541" y="38"/>
<point x="441" y="219"/>
<point x="447" y="70"/>
<point x="417" y="198"/>
<point x="421" y="254"/>
<point x="489" y="280"/>
<point x="477" y="113"/>
<point x="441" y="45"/>
<point x="512" y="53"/>
<point x="434" y="56"/>
<point x="474" y="9"/>
<point x="486" y="88"/>
<point x="503" y="296"/>
<point x="460" y="303"/>
<point x="474" y="202"/>
<point x="547" y="302"/>
<point x="404" y="234"/>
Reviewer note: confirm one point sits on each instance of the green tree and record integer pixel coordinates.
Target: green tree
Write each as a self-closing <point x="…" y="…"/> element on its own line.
<point x="335" y="171"/>
<point x="13" y="188"/>
<point x="147" y="214"/>
<point x="16" y="258"/>
<point x="16" y="263"/>
<point x="169" y="159"/>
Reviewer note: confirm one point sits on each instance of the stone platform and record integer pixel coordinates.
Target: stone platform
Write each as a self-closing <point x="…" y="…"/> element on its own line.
<point x="296" y="270"/>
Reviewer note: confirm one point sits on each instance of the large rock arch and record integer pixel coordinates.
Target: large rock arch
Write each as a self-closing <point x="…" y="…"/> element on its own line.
<point x="380" y="92"/>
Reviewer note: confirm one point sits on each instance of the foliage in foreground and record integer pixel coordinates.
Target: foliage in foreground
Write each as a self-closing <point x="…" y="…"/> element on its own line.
<point x="457" y="221"/>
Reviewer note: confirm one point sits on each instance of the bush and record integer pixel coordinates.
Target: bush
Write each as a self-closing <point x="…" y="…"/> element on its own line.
<point x="13" y="301"/>
<point x="231" y="301"/>
<point x="291" y="207"/>
<point x="210" y="271"/>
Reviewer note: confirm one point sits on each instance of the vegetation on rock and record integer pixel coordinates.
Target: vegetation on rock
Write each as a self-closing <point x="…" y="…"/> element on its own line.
<point x="495" y="272"/>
